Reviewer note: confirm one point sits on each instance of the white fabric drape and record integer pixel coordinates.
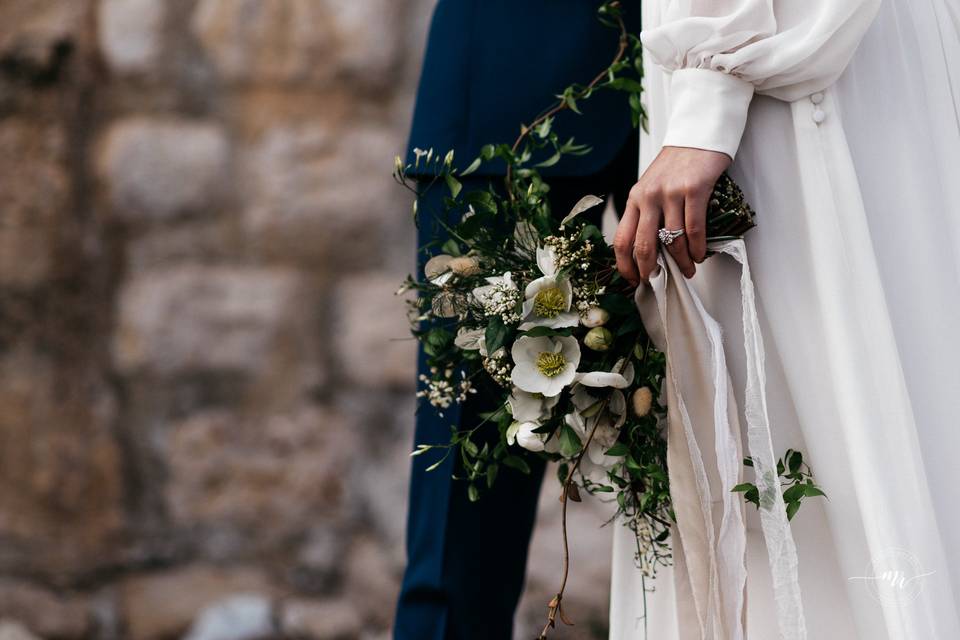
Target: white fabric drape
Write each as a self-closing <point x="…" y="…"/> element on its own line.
<point x="851" y="164"/>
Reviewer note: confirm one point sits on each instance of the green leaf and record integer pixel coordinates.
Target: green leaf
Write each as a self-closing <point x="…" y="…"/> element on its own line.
<point x="453" y="184"/>
<point x="472" y="167"/>
<point x="811" y="491"/>
<point x="618" y="449"/>
<point x="569" y="442"/>
<point x="451" y="247"/>
<point x="518" y="463"/>
<point x="549" y="162"/>
<point x="794" y="461"/>
<point x="794" y="493"/>
<point x="744" y="487"/>
<point x="492" y="474"/>
<point x="470" y="447"/>
<point x="495" y="334"/>
<point x="473" y="493"/>
<point x="792" y="510"/>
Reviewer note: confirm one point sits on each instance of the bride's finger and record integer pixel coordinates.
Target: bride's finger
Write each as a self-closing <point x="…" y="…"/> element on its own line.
<point x="645" y="243"/>
<point x="623" y="242"/>
<point x="673" y="220"/>
<point x="695" y="223"/>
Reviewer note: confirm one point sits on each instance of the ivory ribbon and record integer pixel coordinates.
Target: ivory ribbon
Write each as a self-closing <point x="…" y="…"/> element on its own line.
<point x="704" y="456"/>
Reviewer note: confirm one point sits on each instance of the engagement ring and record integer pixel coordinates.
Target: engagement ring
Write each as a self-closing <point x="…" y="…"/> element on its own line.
<point x="667" y="237"/>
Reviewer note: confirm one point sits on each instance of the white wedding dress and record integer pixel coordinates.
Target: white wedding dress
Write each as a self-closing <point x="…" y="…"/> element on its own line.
<point x="850" y="154"/>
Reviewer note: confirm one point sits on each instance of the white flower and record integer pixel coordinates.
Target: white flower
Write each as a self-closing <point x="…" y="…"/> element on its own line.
<point x="594" y="317"/>
<point x="522" y="434"/>
<point x="547" y="300"/>
<point x="530" y="407"/>
<point x="499" y="297"/>
<point x="545" y="364"/>
<point x="613" y="379"/>
<point x="606" y="430"/>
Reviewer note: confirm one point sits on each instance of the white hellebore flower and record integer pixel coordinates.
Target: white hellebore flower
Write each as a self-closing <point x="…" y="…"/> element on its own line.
<point x="545" y="364"/>
<point x="522" y="434"/>
<point x="547" y="299"/>
<point x="530" y="407"/>
<point x="594" y="464"/>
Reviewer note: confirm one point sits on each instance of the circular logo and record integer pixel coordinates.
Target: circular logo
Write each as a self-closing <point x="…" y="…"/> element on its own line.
<point x="894" y="575"/>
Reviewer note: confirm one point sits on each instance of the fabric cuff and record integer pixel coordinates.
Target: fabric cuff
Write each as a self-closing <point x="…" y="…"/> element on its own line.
<point x="708" y="110"/>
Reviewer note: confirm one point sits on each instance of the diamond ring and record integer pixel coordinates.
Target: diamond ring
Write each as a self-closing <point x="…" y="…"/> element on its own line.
<point x="667" y="236"/>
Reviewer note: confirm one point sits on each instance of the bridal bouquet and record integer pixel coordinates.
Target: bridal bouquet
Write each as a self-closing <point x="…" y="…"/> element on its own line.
<point x="543" y="313"/>
<point x="527" y="304"/>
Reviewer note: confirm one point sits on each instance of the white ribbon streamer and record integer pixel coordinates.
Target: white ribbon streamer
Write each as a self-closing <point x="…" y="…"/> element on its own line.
<point x="711" y="560"/>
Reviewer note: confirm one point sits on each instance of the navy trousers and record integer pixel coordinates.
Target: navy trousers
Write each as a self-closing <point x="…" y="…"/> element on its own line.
<point x="466" y="561"/>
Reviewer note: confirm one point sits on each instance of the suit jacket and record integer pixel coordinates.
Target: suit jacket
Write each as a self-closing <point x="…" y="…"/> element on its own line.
<point x="491" y="65"/>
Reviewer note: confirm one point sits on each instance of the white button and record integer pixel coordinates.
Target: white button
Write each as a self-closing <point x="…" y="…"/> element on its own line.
<point x="816" y="98"/>
<point x="819" y="116"/>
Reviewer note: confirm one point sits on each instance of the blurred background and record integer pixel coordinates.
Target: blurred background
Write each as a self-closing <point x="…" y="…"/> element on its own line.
<point x="206" y="381"/>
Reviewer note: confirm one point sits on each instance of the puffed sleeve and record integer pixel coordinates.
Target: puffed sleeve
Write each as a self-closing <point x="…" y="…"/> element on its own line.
<point x="719" y="52"/>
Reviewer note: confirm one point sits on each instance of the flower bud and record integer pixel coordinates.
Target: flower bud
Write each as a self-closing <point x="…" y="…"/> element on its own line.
<point x="642" y="401"/>
<point x="464" y="266"/>
<point x="594" y="317"/>
<point x="437" y="265"/>
<point x="598" y="339"/>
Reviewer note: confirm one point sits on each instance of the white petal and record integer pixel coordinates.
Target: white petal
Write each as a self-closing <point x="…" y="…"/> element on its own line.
<point x="511" y="433"/>
<point x="566" y="319"/>
<point x="571" y="349"/>
<point x="524" y="406"/>
<point x="547" y="260"/>
<point x="602" y="379"/>
<point x="575" y="422"/>
<point x="526" y="349"/>
<point x="538" y="285"/>
<point x="442" y="279"/>
<point x="526" y="376"/>
<point x="527" y="439"/>
<point x="586" y="202"/>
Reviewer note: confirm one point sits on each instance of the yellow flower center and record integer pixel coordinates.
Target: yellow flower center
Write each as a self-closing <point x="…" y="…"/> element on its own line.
<point x="551" y="364"/>
<point x="549" y="302"/>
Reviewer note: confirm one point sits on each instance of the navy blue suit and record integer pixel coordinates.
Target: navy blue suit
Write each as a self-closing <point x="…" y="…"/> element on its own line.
<point x="491" y="65"/>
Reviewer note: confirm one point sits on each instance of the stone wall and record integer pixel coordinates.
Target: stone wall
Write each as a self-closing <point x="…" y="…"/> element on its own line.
<point x="205" y="382"/>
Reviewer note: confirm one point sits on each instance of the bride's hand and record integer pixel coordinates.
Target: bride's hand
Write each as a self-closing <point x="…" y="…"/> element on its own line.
<point x="675" y="189"/>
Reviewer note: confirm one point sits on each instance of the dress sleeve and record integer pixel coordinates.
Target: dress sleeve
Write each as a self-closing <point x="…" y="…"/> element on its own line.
<point x="719" y="52"/>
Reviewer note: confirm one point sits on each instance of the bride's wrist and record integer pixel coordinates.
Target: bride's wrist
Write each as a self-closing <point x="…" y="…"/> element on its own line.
<point x="708" y="110"/>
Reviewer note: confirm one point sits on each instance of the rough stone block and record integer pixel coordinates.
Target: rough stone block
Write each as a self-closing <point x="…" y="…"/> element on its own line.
<point x="164" y="604"/>
<point x="373" y="342"/>
<point x="230" y="474"/>
<point x="194" y="318"/>
<point x="156" y="169"/>
<point x="130" y="33"/>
